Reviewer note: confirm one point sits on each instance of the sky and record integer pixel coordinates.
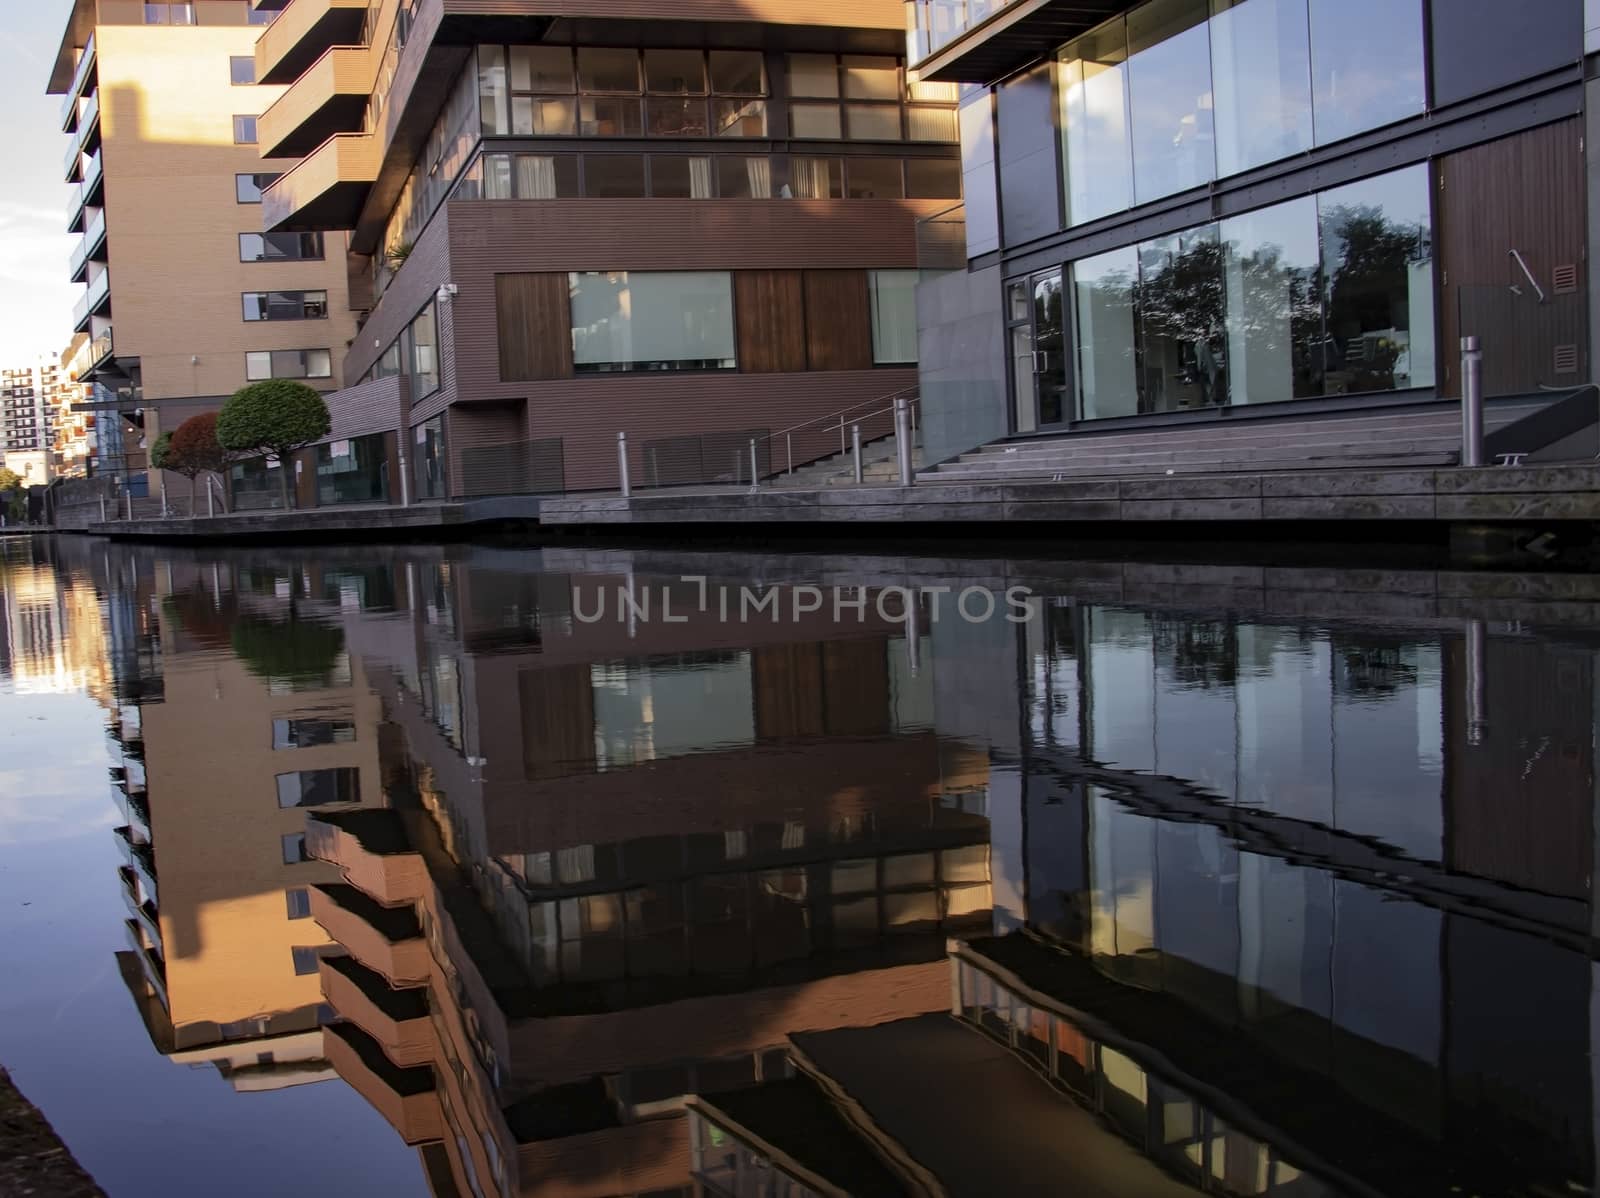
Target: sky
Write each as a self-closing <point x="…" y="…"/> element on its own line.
<point x="35" y="297"/>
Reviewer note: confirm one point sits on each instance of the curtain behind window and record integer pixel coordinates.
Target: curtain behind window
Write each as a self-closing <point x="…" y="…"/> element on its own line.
<point x="536" y="177"/>
<point x="760" y="177"/>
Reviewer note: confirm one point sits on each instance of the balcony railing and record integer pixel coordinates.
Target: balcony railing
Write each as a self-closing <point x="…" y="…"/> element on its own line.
<point x="71" y="163"/>
<point x="88" y="118"/>
<point x="100" y="350"/>
<point x="93" y="169"/>
<point x="939" y="22"/>
<point x="69" y="106"/>
<point x="99" y="291"/>
<point x="75" y="201"/>
<point x="92" y="237"/>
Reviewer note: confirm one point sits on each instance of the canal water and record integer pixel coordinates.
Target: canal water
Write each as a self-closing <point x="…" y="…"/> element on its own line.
<point x="639" y="872"/>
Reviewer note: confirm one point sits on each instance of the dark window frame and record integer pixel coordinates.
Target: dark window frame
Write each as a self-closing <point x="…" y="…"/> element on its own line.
<point x="304" y="303"/>
<point x="237" y="64"/>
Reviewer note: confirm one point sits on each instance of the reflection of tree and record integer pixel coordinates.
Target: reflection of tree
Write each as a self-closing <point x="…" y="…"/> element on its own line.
<point x="1275" y="300"/>
<point x="1366" y="261"/>
<point x="208" y="620"/>
<point x="299" y="651"/>
<point x="1200" y="653"/>
<point x="1180" y="300"/>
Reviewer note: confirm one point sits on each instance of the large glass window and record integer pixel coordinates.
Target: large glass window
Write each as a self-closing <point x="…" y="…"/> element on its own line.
<point x="241" y="69"/>
<point x="355" y="470"/>
<point x="681" y="176"/>
<point x="1323" y="295"/>
<point x="1366" y="64"/>
<point x="1094" y="124"/>
<point x="424" y="353"/>
<point x="288" y="364"/>
<point x="667" y="320"/>
<point x="1261" y="58"/>
<point x="316" y="788"/>
<point x="280" y="247"/>
<point x="247" y="189"/>
<point x="1169" y="98"/>
<point x="894" y="316"/>
<point x="427" y="458"/>
<point x="244" y="130"/>
<point x="285" y="305"/>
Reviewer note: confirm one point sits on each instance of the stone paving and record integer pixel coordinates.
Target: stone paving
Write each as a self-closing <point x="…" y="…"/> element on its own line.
<point x="33" y="1160"/>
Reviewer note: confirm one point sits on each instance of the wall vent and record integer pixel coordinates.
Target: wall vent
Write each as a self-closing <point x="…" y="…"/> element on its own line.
<point x="1566" y="359"/>
<point x="1564" y="279"/>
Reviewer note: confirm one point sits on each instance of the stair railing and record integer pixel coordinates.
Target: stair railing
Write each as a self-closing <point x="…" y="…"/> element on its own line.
<point x="839" y="421"/>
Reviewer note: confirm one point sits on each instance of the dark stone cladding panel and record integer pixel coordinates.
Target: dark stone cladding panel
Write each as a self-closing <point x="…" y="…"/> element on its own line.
<point x="372" y="407"/>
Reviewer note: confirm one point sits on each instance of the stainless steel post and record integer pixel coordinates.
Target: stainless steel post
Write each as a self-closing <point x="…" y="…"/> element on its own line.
<point x="913" y="631"/>
<point x="1477" y="683"/>
<point x="855" y="449"/>
<point x="622" y="465"/>
<point x="130" y="501"/>
<point x="788" y="445"/>
<point x="1471" y="403"/>
<point x="755" y="474"/>
<point x="211" y="497"/>
<point x="102" y="509"/>
<point x="902" y="439"/>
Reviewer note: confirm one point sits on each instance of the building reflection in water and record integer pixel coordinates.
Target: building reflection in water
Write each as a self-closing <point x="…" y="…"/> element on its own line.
<point x="1127" y="899"/>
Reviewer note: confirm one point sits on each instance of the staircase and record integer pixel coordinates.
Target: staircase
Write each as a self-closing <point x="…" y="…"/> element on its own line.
<point x="1390" y="439"/>
<point x="879" y="467"/>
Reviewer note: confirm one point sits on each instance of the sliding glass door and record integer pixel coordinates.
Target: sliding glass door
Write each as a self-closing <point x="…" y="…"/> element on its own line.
<point x="1036" y="338"/>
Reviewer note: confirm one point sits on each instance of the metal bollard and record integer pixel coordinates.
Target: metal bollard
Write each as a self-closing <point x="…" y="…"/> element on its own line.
<point x="788" y="444"/>
<point x="902" y="440"/>
<point x="1477" y="683"/>
<point x="855" y="448"/>
<point x="622" y="465"/>
<point x="211" y="497"/>
<point x="130" y="503"/>
<point x="102" y="509"/>
<point x="755" y="474"/>
<point x="1471" y="403"/>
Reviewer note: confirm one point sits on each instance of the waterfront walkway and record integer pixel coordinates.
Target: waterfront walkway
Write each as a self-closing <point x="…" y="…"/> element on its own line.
<point x="33" y="1160"/>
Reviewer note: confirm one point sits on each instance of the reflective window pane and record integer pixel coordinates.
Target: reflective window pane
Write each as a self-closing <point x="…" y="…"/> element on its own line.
<point x="680" y="176"/>
<point x="933" y="178"/>
<point x="874" y="179"/>
<point x="931" y="124"/>
<point x="1181" y="364"/>
<point x="738" y="73"/>
<point x="873" y="122"/>
<point x="602" y="70"/>
<point x="813" y="75"/>
<point x="744" y="178"/>
<point x="1169" y="98"/>
<point x="541" y="68"/>
<point x="739" y="118"/>
<point x="1366" y="64"/>
<point x="1274" y="303"/>
<point x="610" y="116"/>
<point x="894" y="341"/>
<point x="1377" y="263"/>
<point x="675" y="72"/>
<point x="672" y="116"/>
<point x="815" y="120"/>
<point x="871" y="78"/>
<point x="1103" y="288"/>
<point x="669" y="320"/>
<point x="544" y="116"/>
<point x="493" y="98"/>
<point x="816" y="178"/>
<point x="1261" y="63"/>
<point x="613" y="175"/>
<point x="1094" y="122"/>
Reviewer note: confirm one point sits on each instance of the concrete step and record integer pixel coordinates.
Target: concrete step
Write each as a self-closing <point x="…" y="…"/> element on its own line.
<point x="1219" y="438"/>
<point x="1192" y="457"/>
<point x="1417" y="461"/>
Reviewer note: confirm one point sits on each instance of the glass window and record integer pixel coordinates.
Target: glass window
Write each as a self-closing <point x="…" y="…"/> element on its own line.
<point x="606" y="70"/>
<point x="815" y="120"/>
<point x="871" y="78"/>
<point x="288" y="364"/>
<point x="675" y="72"/>
<point x="816" y="178"/>
<point x="933" y="178"/>
<point x="675" y="116"/>
<point x="298" y="901"/>
<point x="875" y="178"/>
<point x="815" y="75"/>
<point x="613" y="175"/>
<point x="738" y="73"/>
<point x="739" y="118"/>
<point x="744" y="178"/>
<point x="241" y="70"/>
<point x="873" y="122"/>
<point x="894" y="316"/>
<point x="1274" y="303"/>
<point x="1261" y="62"/>
<point x="541" y="69"/>
<point x="294" y="848"/>
<point x="317" y="788"/>
<point x="280" y="247"/>
<point x="493" y="95"/>
<point x="1179" y="302"/>
<point x="248" y="188"/>
<point x="668" y="320"/>
<point x="352" y="470"/>
<point x="424" y="353"/>
<point x="680" y="176"/>
<point x="428" y="458"/>
<point x="931" y="124"/>
<point x="285" y="305"/>
<point x="310" y="733"/>
<point x="305" y="959"/>
<point x="244" y="130"/>
<point x="544" y="116"/>
<point x="1366" y="64"/>
<point x="530" y="176"/>
<point x="610" y="116"/>
<point x="1377" y="268"/>
<point x="1094" y="124"/>
<point x="1169" y="98"/>
<point x="1103" y="289"/>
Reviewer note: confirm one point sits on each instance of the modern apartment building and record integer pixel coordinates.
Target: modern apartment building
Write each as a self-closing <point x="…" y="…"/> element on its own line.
<point x="1185" y="216"/>
<point x="160" y="106"/>
<point x="691" y="223"/>
<point x="22" y="416"/>
<point x="74" y="447"/>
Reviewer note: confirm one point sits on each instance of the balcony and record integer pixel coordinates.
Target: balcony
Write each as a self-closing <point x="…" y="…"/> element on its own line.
<point x="330" y="97"/>
<point x="69" y="106"/>
<point x="302" y="33"/>
<point x="979" y="41"/>
<point x="76" y="199"/>
<point x="326" y="190"/>
<point x="100" y="350"/>
<point x="94" y="303"/>
<point x="93" y="168"/>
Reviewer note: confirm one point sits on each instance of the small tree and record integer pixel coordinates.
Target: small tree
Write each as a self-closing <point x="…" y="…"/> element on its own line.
<point x="196" y="451"/>
<point x="10" y="480"/>
<point x="274" y="418"/>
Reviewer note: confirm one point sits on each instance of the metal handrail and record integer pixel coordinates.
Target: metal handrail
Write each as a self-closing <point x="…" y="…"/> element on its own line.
<point x="912" y="393"/>
<point x="891" y="397"/>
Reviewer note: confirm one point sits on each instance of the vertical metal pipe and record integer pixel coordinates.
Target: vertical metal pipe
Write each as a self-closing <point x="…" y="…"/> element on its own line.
<point x="902" y="439"/>
<point x="1471" y="403"/>
<point x="102" y="509"/>
<point x="855" y="449"/>
<point x="841" y="434"/>
<point x="622" y="465"/>
<point x="913" y="631"/>
<point x="788" y="445"/>
<point x="211" y="497"/>
<point x="1477" y="683"/>
<point x="755" y="474"/>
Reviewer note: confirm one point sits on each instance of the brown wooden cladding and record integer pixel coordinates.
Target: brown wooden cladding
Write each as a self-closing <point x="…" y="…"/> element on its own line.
<point x="533" y="324"/>
<point x="838" y="320"/>
<point x="1524" y="193"/>
<point x="770" y="309"/>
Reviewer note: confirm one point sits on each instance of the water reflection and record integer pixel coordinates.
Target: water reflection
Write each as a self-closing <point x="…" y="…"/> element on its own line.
<point x="1275" y="902"/>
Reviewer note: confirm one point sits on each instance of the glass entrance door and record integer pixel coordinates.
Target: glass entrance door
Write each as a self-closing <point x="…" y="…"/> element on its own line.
<point x="1036" y="337"/>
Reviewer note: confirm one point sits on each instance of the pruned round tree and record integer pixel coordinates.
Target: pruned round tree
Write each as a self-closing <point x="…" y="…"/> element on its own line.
<point x="274" y="418"/>
<point x="195" y="450"/>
